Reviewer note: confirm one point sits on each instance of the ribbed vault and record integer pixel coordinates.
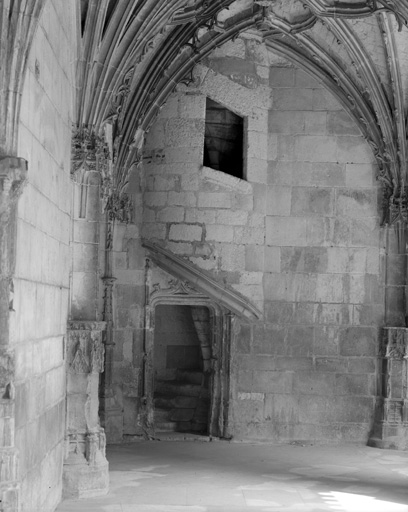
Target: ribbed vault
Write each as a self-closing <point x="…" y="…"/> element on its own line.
<point x="133" y="54"/>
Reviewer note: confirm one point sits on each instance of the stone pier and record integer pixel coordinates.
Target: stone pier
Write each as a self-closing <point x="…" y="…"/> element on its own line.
<point x="85" y="467"/>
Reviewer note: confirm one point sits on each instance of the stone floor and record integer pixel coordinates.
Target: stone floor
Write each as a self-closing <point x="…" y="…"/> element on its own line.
<point x="192" y="476"/>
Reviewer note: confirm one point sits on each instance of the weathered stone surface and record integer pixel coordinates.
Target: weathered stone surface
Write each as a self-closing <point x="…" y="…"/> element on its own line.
<point x="299" y="237"/>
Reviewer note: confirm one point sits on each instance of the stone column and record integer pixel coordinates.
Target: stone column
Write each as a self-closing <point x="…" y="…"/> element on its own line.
<point x="85" y="471"/>
<point x="118" y="209"/>
<point x="13" y="172"/>
<point x="111" y="411"/>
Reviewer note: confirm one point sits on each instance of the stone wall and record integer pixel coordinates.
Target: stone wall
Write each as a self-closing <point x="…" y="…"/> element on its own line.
<point x="43" y="257"/>
<point x="299" y="238"/>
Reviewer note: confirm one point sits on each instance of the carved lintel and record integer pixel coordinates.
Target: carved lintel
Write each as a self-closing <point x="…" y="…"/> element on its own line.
<point x="13" y="174"/>
<point x="185" y="271"/>
<point x="85" y="347"/>
<point x="394" y="343"/>
<point x="176" y="287"/>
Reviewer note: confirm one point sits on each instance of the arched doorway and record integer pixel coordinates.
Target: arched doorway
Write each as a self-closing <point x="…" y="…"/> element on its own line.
<point x="186" y="372"/>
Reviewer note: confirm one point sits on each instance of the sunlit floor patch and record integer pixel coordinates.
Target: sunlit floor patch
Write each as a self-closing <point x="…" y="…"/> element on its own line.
<point x="347" y="502"/>
<point x="263" y="503"/>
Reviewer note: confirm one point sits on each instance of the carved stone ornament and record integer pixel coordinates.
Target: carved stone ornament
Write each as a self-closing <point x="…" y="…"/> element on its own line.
<point x="80" y="325"/>
<point x="80" y="363"/>
<point x="175" y="287"/>
<point x="86" y="448"/>
<point x="13" y="174"/>
<point x="120" y="96"/>
<point x="97" y="353"/>
<point x="88" y="149"/>
<point x="119" y="207"/>
<point x="85" y="347"/>
<point x="394" y="343"/>
<point x="91" y="153"/>
<point x="393" y="411"/>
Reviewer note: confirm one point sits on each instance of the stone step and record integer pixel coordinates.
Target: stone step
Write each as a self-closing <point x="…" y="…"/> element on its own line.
<point x="201" y="416"/>
<point x="161" y="415"/>
<point x="175" y="402"/>
<point x="166" y="374"/>
<point x="190" y="376"/>
<point x="166" y="426"/>
<point x="181" y="415"/>
<point x="175" y="389"/>
<point x="190" y="426"/>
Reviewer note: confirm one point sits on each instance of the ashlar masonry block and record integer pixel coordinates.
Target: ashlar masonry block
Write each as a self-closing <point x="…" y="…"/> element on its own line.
<point x="219" y="233"/>
<point x="278" y="200"/>
<point x="185" y="232"/>
<point x="293" y="99"/>
<point x="314" y="148"/>
<point x="360" y="175"/>
<point x="285" y="231"/>
<point x="214" y="200"/>
<point x="184" y="132"/>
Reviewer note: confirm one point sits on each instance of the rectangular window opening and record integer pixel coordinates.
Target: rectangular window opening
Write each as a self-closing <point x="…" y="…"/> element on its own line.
<point x="223" y="140"/>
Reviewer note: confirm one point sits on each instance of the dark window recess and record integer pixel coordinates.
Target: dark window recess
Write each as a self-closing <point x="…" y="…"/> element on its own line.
<point x="223" y="141"/>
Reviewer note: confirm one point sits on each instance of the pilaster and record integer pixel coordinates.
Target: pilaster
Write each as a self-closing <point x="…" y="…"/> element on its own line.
<point x="85" y="471"/>
<point x="111" y="410"/>
<point x="13" y="172"/>
<point x="391" y="415"/>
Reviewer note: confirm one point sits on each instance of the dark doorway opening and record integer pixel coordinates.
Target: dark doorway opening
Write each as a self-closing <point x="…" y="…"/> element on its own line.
<point x="182" y="360"/>
<point x="223" y="140"/>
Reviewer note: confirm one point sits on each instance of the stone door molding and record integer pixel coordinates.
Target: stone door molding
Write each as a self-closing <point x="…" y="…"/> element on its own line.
<point x="180" y="293"/>
<point x="184" y="284"/>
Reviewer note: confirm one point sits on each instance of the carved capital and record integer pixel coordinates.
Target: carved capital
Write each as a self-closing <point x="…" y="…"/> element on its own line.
<point x="90" y="153"/>
<point x="88" y="150"/>
<point x="83" y="325"/>
<point x="397" y="206"/>
<point x="394" y="344"/>
<point x="85" y="347"/>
